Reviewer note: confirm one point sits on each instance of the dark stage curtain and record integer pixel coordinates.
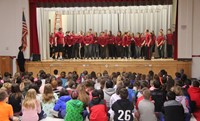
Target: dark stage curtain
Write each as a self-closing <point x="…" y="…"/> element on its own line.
<point x="34" y="46"/>
<point x="176" y="35"/>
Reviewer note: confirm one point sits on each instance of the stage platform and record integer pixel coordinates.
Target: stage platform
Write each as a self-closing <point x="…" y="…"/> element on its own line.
<point x="127" y="65"/>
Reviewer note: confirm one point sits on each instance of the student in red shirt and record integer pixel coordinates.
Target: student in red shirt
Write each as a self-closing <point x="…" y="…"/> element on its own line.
<point x="69" y="40"/>
<point x="138" y="43"/>
<point x="52" y="45"/>
<point x="169" y="38"/>
<point x="118" y="43"/>
<point x="59" y="43"/>
<point x="95" y="47"/>
<point x="88" y="40"/>
<point x="76" y="46"/>
<point x="125" y="40"/>
<point x="147" y="45"/>
<point x="160" y="44"/>
<point x="152" y="44"/>
<point x="111" y="46"/>
<point x="103" y="44"/>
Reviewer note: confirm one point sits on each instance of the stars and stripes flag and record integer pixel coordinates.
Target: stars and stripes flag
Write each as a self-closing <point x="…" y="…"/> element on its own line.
<point x="24" y="32"/>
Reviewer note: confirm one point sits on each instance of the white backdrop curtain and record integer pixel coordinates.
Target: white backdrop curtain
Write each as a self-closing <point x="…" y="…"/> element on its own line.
<point x="43" y="32"/>
<point x="125" y="18"/>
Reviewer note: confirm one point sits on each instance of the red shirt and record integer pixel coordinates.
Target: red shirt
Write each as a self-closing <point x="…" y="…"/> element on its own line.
<point x="160" y="39"/>
<point x="102" y="41"/>
<point x="95" y="40"/>
<point x="137" y="41"/>
<point x="126" y="41"/>
<point x="142" y="39"/>
<point x="118" y="40"/>
<point x="111" y="39"/>
<point x="88" y="39"/>
<point x="153" y="40"/>
<point x="69" y="40"/>
<point x="59" y="38"/>
<point x="147" y="38"/>
<point x="52" y="40"/>
<point x="169" y="39"/>
<point x="76" y="39"/>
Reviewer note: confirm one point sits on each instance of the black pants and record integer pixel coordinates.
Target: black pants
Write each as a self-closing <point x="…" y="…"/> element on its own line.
<point x="151" y="50"/>
<point x="75" y="50"/>
<point x="95" y="50"/>
<point x="125" y="52"/>
<point x="147" y="52"/>
<point x="103" y="52"/>
<point x="88" y="51"/>
<point x="161" y="51"/>
<point x="133" y="51"/>
<point x="142" y="52"/>
<point x="169" y="51"/>
<point x="119" y="50"/>
<point x="69" y="51"/>
<point x="112" y="50"/>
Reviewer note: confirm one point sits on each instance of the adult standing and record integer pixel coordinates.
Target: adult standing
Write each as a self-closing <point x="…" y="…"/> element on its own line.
<point x="21" y="59"/>
<point x="59" y="43"/>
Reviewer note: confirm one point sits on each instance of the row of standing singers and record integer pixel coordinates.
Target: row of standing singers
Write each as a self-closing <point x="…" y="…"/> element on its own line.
<point x="109" y="46"/>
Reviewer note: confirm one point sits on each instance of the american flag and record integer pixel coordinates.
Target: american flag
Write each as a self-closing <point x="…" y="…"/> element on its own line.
<point x="24" y="32"/>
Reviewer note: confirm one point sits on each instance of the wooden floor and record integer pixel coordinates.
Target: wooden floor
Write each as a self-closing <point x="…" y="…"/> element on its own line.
<point x="111" y="65"/>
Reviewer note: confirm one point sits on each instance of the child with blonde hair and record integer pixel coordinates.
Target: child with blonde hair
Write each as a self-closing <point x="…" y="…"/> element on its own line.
<point x="30" y="106"/>
<point x="48" y="99"/>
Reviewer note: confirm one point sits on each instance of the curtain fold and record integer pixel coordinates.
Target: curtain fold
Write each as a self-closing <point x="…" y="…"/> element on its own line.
<point x="34" y="46"/>
<point x="43" y="32"/>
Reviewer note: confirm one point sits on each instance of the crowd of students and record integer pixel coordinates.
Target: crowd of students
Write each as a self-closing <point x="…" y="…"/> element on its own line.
<point x="106" y="45"/>
<point x="118" y="96"/>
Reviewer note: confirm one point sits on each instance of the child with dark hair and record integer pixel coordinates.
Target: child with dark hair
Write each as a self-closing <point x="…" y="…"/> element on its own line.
<point x="108" y="92"/>
<point x="15" y="99"/>
<point x="173" y="110"/>
<point x="55" y="72"/>
<point x="60" y="106"/>
<point x="74" y="108"/>
<point x="159" y="97"/>
<point x="123" y="108"/>
<point x="97" y="107"/>
<point x="6" y="110"/>
<point x="194" y="92"/>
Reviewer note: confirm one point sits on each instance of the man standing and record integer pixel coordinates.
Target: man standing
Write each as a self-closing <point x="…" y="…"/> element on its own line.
<point x="20" y="59"/>
<point x="59" y="43"/>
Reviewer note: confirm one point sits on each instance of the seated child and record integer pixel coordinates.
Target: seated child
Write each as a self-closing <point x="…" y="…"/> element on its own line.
<point x="123" y="108"/>
<point x="97" y="107"/>
<point x="6" y="110"/>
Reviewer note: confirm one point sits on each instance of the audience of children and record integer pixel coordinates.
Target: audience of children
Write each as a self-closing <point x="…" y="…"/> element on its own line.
<point x="122" y="96"/>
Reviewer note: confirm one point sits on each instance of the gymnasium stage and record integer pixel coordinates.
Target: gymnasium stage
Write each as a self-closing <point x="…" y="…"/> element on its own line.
<point x="111" y="65"/>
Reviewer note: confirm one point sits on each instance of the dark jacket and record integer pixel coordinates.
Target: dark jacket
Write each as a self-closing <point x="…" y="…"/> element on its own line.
<point x="159" y="97"/>
<point x="173" y="111"/>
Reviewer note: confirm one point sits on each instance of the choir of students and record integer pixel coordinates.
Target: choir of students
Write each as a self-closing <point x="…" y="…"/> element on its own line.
<point x="106" y="45"/>
<point x="126" y="96"/>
